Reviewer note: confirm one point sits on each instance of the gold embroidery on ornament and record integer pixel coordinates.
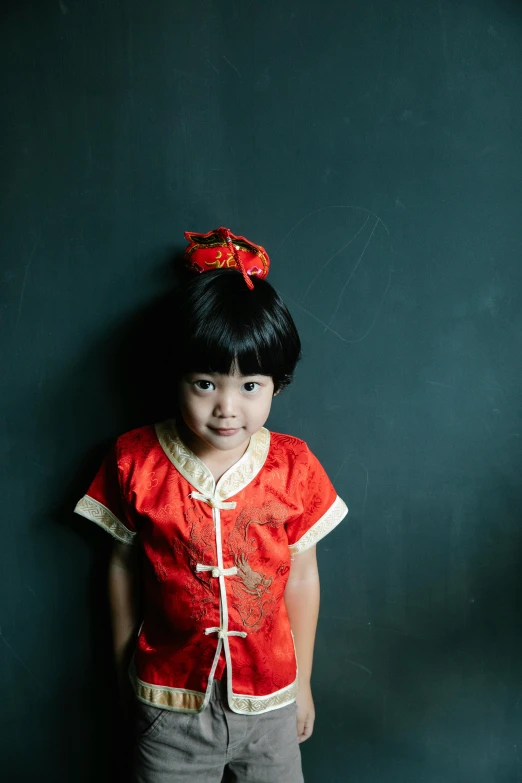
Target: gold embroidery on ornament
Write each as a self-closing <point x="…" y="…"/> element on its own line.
<point x="220" y="262"/>
<point x="239" y="245"/>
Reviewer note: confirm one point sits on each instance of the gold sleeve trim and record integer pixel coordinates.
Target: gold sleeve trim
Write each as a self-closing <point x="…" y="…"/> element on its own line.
<point x="254" y="705"/>
<point x="95" y="511"/>
<point x="335" y="514"/>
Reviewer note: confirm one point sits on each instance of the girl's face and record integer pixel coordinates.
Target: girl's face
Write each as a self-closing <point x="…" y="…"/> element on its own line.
<point x="223" y="411"/>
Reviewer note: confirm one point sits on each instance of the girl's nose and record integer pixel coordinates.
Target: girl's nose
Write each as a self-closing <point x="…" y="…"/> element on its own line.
<point x="225" y="406"/>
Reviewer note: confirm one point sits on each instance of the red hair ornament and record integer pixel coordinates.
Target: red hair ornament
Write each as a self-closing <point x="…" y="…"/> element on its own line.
<point x="221" y="249"/>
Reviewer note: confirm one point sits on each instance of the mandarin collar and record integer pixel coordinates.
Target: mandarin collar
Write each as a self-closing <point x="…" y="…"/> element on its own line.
<point x="196" y="472"/>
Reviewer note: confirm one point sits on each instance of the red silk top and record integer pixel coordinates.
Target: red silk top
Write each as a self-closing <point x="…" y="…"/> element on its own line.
<point x="216" y="561"/>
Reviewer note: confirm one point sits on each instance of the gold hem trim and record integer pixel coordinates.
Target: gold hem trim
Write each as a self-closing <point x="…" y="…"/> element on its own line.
<point x="255" y="705"/>
<point x="95" y="511"/>
<point x="335" y="514"/>
<point x="174" y="699"/>
<point x="199" y="476"/>
<point x="181" y="700"/>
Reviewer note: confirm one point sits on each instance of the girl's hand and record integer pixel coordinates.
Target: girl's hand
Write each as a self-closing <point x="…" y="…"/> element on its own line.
<point x="305" y="712"/>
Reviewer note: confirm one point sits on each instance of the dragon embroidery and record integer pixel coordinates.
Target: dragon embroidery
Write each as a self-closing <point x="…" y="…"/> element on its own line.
<point x="199" y="550"/>
<point x="253" y="601"/>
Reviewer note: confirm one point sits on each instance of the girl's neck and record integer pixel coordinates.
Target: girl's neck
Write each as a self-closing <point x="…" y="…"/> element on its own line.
<point x="217" y="461"/>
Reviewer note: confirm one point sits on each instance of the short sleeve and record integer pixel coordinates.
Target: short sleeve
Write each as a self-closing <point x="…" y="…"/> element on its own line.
<point x="322" y="508"/>
<point x="103" y="504"/>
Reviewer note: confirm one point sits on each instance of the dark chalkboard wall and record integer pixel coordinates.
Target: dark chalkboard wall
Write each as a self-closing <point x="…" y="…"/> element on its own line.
<point x="375" y="149"/>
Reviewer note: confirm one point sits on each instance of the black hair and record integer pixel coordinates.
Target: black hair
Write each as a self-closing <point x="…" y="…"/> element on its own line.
<point x="221" y="324"/>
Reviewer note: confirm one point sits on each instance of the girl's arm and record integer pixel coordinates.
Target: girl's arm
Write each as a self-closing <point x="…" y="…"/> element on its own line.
<point x="302" y="605"/>
<point x="123" y="608"/>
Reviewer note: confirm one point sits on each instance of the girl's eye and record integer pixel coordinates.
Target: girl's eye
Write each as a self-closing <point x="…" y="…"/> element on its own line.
<point x="251" y="386"/>
<point x="204" y="385"/>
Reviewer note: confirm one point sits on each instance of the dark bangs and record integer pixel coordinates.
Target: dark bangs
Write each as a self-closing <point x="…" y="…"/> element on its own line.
<point x="223" y="325"/>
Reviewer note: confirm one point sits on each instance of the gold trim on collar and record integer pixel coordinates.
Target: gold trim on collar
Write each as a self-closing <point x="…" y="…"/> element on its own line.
<point x="335" y="514"/>
<point x="95" y="511"/>
<point x="196" y="472"/>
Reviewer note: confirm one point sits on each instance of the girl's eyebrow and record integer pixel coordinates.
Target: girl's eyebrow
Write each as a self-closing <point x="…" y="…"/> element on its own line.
<point x="210" y="374"/>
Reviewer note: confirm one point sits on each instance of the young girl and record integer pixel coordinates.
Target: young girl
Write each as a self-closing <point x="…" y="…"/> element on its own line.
<point x="215" y="521"/>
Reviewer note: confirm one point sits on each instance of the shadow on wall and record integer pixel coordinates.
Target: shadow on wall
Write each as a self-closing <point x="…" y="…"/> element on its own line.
<point x="429" y="687"/>
<point x="125" y="380"/>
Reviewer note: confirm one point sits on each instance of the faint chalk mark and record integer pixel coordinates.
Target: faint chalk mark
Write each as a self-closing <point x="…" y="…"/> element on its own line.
<point x="189" y="76"/>
<point x="343" y="463"/>
<point x="359" y="666"/>
<point x="354" y="270"/>
<point x="367" y="332"/>
<point x="212" y="66"/>
<point x="357" y="623"/>
<point x="400" y="632"/>
<point x="341" y="618"/>
<point x="322" y="209"/>
<point x="483" y="422"/>
<point x="22" y="663"/>
<point x="26" y="274"/>
<point x="63" y="7"/>
<point x="494" y="34"/>
<point x="327" y="326"/>
<point x="232" y="66"/>
<point x="319" y="273"/>
<point x="443" y="385"/>
<point x="312" y="315"/>
<point x="363" y="668"/>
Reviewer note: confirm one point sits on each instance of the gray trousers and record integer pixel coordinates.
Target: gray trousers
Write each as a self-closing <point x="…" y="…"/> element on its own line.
<point x="217" y="745"/>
